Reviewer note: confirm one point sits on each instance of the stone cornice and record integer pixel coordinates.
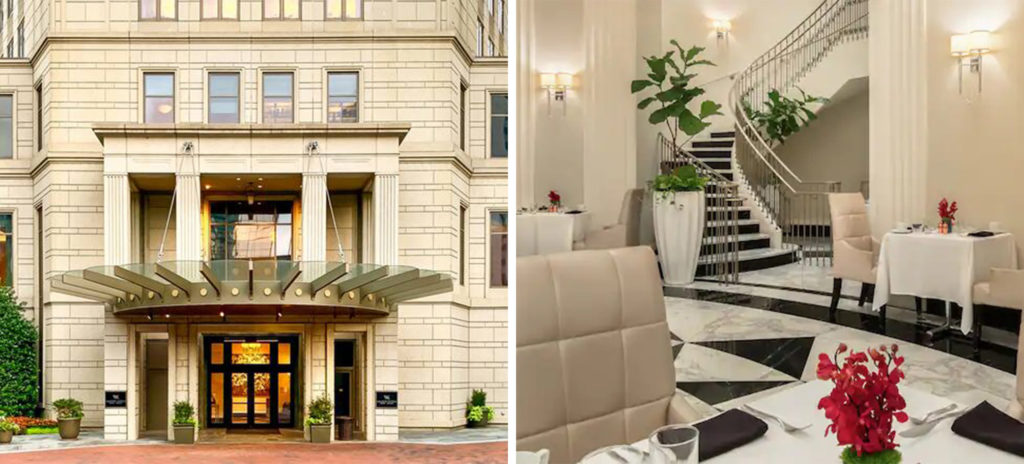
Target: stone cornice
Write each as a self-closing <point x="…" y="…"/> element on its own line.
<point x="380" y="129"/>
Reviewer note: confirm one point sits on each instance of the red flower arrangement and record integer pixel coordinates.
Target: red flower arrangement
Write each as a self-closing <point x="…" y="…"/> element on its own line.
<point x="863" y="403"/>
<point x="946" y="210"/>
<point x="554" y="198"/>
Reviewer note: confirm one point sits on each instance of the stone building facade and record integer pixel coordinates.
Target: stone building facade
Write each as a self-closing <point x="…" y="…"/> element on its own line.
<point x="145" y="131"/>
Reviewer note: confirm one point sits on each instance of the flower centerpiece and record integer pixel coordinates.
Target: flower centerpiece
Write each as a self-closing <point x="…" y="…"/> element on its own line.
<point x="555" y="199"/>
<point x="863" y="404"/>
<point x="947" y="216"/>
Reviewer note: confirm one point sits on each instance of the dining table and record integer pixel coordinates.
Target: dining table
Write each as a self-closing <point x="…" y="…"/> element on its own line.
<point x="940" y="266"/>
<point x="799" y="404"/>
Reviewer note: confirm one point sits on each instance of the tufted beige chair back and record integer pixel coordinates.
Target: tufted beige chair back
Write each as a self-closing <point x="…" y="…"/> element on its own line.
<point x="593" y="356"/>
<point x="855" y="253"/>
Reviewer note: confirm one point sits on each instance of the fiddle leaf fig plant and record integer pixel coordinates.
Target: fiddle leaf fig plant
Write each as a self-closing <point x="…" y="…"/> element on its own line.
<point x="673" y="93"/>
<point x="783" y="116"/>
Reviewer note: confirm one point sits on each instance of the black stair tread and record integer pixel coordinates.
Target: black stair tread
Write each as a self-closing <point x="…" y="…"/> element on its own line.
<point x="710" y="153"/>
<point x="712" y="144"/>
<point x="765" y="261"/>
<point x="723" y="134"/>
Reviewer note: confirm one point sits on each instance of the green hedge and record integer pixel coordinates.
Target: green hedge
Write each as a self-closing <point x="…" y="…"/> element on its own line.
<point x="18" y="363"/>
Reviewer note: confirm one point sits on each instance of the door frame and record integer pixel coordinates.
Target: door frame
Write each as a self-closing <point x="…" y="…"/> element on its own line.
<point x="250" y="370"/>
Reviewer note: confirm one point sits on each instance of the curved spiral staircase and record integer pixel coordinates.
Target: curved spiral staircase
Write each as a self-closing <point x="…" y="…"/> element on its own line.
<point x="773" y="216"/>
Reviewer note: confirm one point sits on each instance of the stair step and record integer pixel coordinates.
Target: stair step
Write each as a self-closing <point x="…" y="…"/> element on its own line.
<point x="752" y="260"/>
<point x="717" y="163"/>
<point x="723" y="213"/>
<point x="723" y="134"/>
<point x="712" y="144"/>
<point x="744" y="226"/>
<point x="710" y="153"/>
<point x="743" y="241"/>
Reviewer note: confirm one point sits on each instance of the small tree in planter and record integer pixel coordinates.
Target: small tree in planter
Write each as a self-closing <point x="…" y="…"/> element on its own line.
<point x="7" y="431"/>
<point x="679" y="222"/>
<point x="184" y="423"/>
<point x="69" y="417"/>
<point x="478" y="413"/>
<point x="319" y="419"/>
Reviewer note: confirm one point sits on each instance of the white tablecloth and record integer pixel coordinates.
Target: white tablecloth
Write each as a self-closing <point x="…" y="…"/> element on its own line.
<point x="940" y="266"/>
<point x="810" y="445"/>
<point x="580" y="222"/>
<point x="539" y="234"/>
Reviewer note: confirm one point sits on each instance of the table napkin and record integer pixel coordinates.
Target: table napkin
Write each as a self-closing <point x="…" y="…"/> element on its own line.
<point x="987" y="425"/>
<point x="731" y="429"/>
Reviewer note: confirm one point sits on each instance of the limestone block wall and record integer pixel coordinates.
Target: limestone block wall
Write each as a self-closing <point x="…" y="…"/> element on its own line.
<point x="346" y="214"/>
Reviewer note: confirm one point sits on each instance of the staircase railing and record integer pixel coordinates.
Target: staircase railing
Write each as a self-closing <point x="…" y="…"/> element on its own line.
<point x="719" y="256"/>
<point x="798" y="209"/>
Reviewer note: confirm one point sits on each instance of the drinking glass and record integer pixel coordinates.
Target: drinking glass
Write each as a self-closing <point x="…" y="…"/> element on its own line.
<point x="675" y="444"/>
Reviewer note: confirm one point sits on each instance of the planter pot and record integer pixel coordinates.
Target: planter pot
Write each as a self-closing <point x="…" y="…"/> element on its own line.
<point x="320" y="433"/>
<point x="184" y="434"/>
<point x="6" y="436"/>
<point x="849" y="456"/>
<point x="476" y="424"/>
<point x="678" y="229"/>
<point x="69" y="428"/>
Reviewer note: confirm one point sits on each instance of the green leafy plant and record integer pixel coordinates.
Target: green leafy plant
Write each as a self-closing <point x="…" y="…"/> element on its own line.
<point x="320" y="411"/>
<point x="42" y="431"/>
<point x="671" y="82"/>
<point x="890" y="456"/>
<point x="184" y="413"/>
<point x="7" y="426"/>
<point x="783" y="116"/>
<point x="477" y="410"/>
<point x="68" y="408"/>
<point x="19" y="373"/>
<point x="683" y="179"/>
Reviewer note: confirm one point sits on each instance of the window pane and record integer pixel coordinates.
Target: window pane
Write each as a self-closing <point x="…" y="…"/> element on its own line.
<point x="499" y="126"/>
<point x="277" y="84"/>
<point x="6" y="126"/>
<point x="147" y="9"/>
<point x="217" y="398"/>
<point x="167" y="9"/>
<point x="499" y="249"/>
<point x="209" y="9"/>
<point x="342" y="84"/>
<point x="6" y="250"/>
<point x="271" y="9"/>
<point x="353" y="8"/>
<point x="261" y="398"/>
<point x="342" y="109"/>
<point x="223" y="110"/>
<point x="159" y="85"/>
<point x="334" y="9"/>
<point x="230" y="9"/>
<point x="250" y="353"/>
<point x="159" y="109"/>
<point x="499" y="104"/>
<point x="291" y="9"/>
<point x="223" y="85"/>
<point x="284" y="398"/>
<point x="284" y="353"/>
<point x="239" y="398"/>
<point x="216" y="353"/>
<point x="499" y="223"/>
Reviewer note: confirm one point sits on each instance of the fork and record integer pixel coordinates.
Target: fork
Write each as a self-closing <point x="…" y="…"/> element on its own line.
<point x="763" y="415"/>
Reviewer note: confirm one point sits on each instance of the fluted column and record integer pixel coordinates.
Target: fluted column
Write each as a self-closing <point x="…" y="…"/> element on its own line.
<point x="314" y="217"/>
<point x="117" y="244"/>
<point x="385" y="219"/>
<point x="188" y="226"/>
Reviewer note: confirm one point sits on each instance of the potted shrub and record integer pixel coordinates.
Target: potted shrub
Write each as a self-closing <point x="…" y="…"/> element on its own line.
<point x="478" y="413"/>
<point x="7" y="431"/>
<point x="319" y="419"/>
<point x="184" y="423"/>
<point x="679" y="222"/>
<point x="69" y="417"/>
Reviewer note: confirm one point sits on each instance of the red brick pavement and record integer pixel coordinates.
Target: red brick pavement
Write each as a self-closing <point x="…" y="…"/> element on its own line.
<point x="277" y="453"/>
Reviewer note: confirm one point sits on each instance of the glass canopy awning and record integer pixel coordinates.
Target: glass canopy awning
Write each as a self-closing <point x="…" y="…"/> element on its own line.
<point x="242" y="287"/>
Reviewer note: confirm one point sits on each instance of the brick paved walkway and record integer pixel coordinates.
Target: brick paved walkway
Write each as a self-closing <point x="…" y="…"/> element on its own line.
<point x="277" y="453"/>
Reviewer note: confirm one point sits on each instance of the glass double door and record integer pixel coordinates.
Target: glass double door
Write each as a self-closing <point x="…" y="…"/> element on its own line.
<point x="251" y="381"/>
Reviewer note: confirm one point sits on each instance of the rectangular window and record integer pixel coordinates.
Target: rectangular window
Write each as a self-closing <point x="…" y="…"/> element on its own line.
<point x="220" y="9"/>
<point x="6" y="126"/>
<point x="463" y="101"/>
<point x="157" y="9"/>
<point x="281" y="9"/>
<point x="479" y="38"/>
<point x="499" y="125"/>
<point x="6" y="249"/>
<point x="462" y="243"/>
<point x="277" y="97"/>
<point x="500" y="19"/>
<point x="342" y="97"/>
<point x="499" y="248"/>
<point x="223" y="104"/>
<point x="159" y="94"/>
<point x="39" y="117"/>
<point x="344" y="9"/>
<point x="21" y="39"/>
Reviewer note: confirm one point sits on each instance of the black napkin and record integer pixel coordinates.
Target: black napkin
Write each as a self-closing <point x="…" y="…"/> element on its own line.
<point x="987" y="425"/>
<point x="575" y="211"/>
<point x="731" y="429"/>
<point x="981" y="233"/>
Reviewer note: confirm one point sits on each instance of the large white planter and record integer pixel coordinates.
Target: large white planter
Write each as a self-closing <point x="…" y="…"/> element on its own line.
<point x="678" y="229"/>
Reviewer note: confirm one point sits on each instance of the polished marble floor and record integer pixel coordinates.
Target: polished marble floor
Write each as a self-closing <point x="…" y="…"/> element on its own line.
<point x="733" y="344"/>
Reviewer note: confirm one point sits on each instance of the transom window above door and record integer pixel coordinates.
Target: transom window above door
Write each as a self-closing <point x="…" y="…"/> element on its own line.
<point x="282" y="9"/>
<point x="277" y="97"/>
<point x="157" y="9"/>
<point x="220" y="9"/>
<point x="223" y="103"/>
<point x="344" y="9"/>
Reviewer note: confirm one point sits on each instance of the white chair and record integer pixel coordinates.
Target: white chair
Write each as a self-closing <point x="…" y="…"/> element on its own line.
<point x="624" y="233"/>
<point x="526" y="234"/>
<point x="854" y="251"/>
<point x="541" y="234"/>
<point x="1003" y="289"/>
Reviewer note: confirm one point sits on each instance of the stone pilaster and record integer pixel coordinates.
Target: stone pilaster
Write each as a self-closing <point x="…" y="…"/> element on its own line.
<point x="385" y="219"/>
<point x="314" y="217"/>
<point x="116" y="250"/>
<point x="187" y="210"/>
<point x="116" y="219"/>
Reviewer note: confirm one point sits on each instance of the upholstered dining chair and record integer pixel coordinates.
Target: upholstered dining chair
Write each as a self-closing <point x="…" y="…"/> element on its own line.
<point x="624" y="233"/>
<point x="854" y="251"/>
<point x="593" y="354"/>
<point x="1003" y="289"/>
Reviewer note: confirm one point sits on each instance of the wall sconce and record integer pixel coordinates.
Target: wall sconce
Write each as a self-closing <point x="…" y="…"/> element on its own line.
<point x="556" y="84"/>
<point x="968" y="50"/>
<point x="722" y="28"/>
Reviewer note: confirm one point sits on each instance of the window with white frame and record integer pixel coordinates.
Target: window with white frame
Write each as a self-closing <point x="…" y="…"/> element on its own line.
<point x="499" y="125"/>
<point x="342" y="97"/>
<point x="220" y="9"/>
<point x="499" y="21"/>
<point x="479" y="38"/>
<point x="277" y="97"/>
<point x="223" y="98"/>
<point x="6" y="249"/>
<point x="281" y="9"/>
<point x="498" y="229"/>
<point x="157" y="9"/>
<point x="6" y="126"/>
<point x="158" y="92"/>
<point x="343" y="9"/>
